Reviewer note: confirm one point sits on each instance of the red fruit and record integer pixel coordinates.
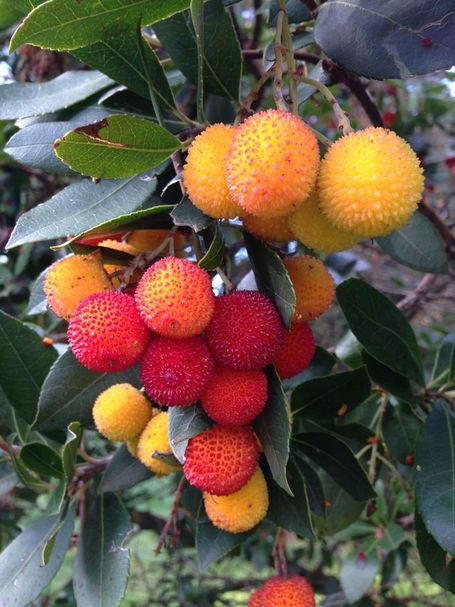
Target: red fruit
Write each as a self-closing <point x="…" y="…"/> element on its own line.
<point x="106" y="332"/>
<point x="245" y="332"/>
<point x="293" y="591"/>
<point x="256" y="598"/>
<point x="234" y="398"/>
<point x="221" y="460"/>
<point x="176" y="371"/>
<point x="297" y="351"/>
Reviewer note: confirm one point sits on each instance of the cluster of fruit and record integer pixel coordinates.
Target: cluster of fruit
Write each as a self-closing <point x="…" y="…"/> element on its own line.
<point x="191" y="346"/>
<point x="280" y="591"/>
<point x="267" y="171"/>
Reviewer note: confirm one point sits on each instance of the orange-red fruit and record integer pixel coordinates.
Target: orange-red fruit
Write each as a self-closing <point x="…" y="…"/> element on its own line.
<point x="297" y="351"/>
<point x="256" y="598"/>
<point x="221" y="460"/>
<point x="234" y="398"/>
<point x="106" y="332"/>
<point x="175" y="298"/>
<point x="245" y="332"/>
<point x="294" y="591"/>
<point x="272" y="165"/>
<point x="176" y="371"/>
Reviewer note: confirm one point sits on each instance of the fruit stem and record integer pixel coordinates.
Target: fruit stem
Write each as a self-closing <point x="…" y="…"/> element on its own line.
<point x="290" y="60"/>
<point x="278" y="78"/>
<point x="279" y="552"/>
<point x="320" y="137"/>
<point x="172" y="520"/>
<point x="253" y="95"/>
<point x="376" y="443"/>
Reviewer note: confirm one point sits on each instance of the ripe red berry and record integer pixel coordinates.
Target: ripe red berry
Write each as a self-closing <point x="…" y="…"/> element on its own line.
<point x="221" y="460"/>
<point x="294" y="591"/>
<point x="176" y="371"/>
<point x="234" y="398"/>
<point x="106" y="332"/>
<point x="297" y="351"/>
<point x="245" y="332"/>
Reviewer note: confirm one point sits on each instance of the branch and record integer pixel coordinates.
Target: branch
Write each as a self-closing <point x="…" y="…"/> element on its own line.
<point x="172" y="521"/>
<point x="411" y="302"/>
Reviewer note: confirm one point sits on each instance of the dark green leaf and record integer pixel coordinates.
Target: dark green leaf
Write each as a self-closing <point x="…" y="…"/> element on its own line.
<point x="184" y="423"/>
<point x="8" y="478"/>
<point x="221" y="77"/>
<point x="322" y="397"/>
<point x="37" y="302"/>
<point x="57" y="500"/>
<point x="70" y="390"/>
<point x="25" y="6"/>
<point x="295" y="9"/>
<point x="401" y="429"/>
<point x="435" y="476"/>
<point x="342" y="510"/>
<point x="273" y="429"/>
<point x="18" y="100"/>
<point x="434" y="558"/>
<point x="42" y="459"/>
<point x="418" y="246"/>
<point x="27" y="478"/>
<point x="101" y="564"/>
<point x="381" y="328"/>
<point x="61" y="26"/>
<point x="123" y="472"/>
<point x="186" y="214"/>
<point x="214" y="255"/>
<point x="394" y="39"/>
<point x="337" y="459"/>
<point x="8" y="14"/>
<point x="321" y="364"/>
<point x="357" y="574"/>
<point x="80" y="205"/>
<point x="444" y="365"/>
<point x="117" y="146"/>
<point x="69" y="449"/>
<point x="271" y="277"/>
<point x="22" y="356"/>
<point x="392" y="382"/>
<point x="22" y="578"/>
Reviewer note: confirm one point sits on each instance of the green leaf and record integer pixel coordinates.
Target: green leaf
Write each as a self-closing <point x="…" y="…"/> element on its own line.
<point x="118" y="56"/>
<point x="57" y="501"/>
<point x="322" y="397"/>
<point x="184" y="423"/>
<point x="321" y="364"/>
<point x="273" y="429"/>
<point x="27" y="478"/>
<point x="291" y="513"/>
<point x="19" y="100"/>
<point x="392" y="382"/>
<point x="435" y="460"/>
<point x="357" y="574"/>
<point x="186" y="214"/>
<point x="381" y="328"/>
<point x="295" y="9"/>
<point x="101" y="564"/>
<point x="337" y="459"/>
<point x="70" y="390"/>
<point x="271" y="277"/>
<point x="197" y="21"/>
<point x="342" y="511"/>
<point x="59" y="25"/>
<point x="434" y="558"/>
<point x="24" y="363"/>
<point x="8" y="478"/>
<point x="418" y="246"/>
<point x="37" y="302"/>
<point x="69" y="450"/>
<point x="444" y="365"/>
<point x="214" y="255"/>
<point x="117" y="146"/>
<point x="123" y="472"/>
<point x="387" y="39"/>
<point x="221" y="76"/>
<point x="25" y="6"/>
<point x="8" y="14"/>
<point x="313" y="486"/>
<point x="80" y="205"/>
<point x="22" y="578"/>
<point x="42" y="459"/>
<point x="401" y="429"/>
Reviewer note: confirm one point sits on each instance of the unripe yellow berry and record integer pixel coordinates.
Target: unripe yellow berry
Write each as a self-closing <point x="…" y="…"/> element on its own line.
<point x="370" y="182"/>
<point x="122" y="247"/>
<point x="242" y="510"/>
<point x="275" y="229"/>
<point x="154" y="440"/>
<point x="149" y="240"/>
<point x="121" y="412"/>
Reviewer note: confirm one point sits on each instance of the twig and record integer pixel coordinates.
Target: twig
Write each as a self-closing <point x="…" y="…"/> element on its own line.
<point x="290" y="60"/>
<point x="278" y="77"/>
<point x="172" y="521"/>
<point x="415" y="298"/>
<point x="375" y="447"/>
<point x="253" y="95"/>
<point x="279" y="552"/>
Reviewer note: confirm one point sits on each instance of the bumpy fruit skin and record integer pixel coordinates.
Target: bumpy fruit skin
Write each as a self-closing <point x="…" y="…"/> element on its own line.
<point x="176" y="371"/>
<point x="242" y="510"/>
<point x="106" y="332"/>
<point x="72" y="279"/>
<point x="313" y="284"/>
<point x="370" y="182"/>
<point x="148" y="240"/>
<point x="153" y="439"/>
<point x="311" y="227"/>
<point x="221" y="460"/>
<point x="234" y="398"/>
<point x="246" y="331"/>
<point x="275" y="229"/>
<point x="297" y="351"/>
<point x="293" y="591"/>
<point x="203" y="173"/>
<point x="272" y="165"/>
<point x="175" y="298"/>
<point x="121" y="412"/>
<point x="256" y="598"/>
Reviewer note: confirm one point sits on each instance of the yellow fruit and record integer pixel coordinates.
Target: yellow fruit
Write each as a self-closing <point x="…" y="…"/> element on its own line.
<point x="273" y="229"/>
<point x="123" y="247"/>
<point x="313" y="284"/>
<point x="131" y="445"/>
<point x="203" y="174"/>
<point x="148" y="240"/>
<point x="370" y="182"/>
<point x="154" y="439"/>
<point x="242" y="510"/>
<point x="272" y="165"/>
<point x="71" y="279"/>
<point x="311" y="227"/>
<point x="121" y="412"/>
